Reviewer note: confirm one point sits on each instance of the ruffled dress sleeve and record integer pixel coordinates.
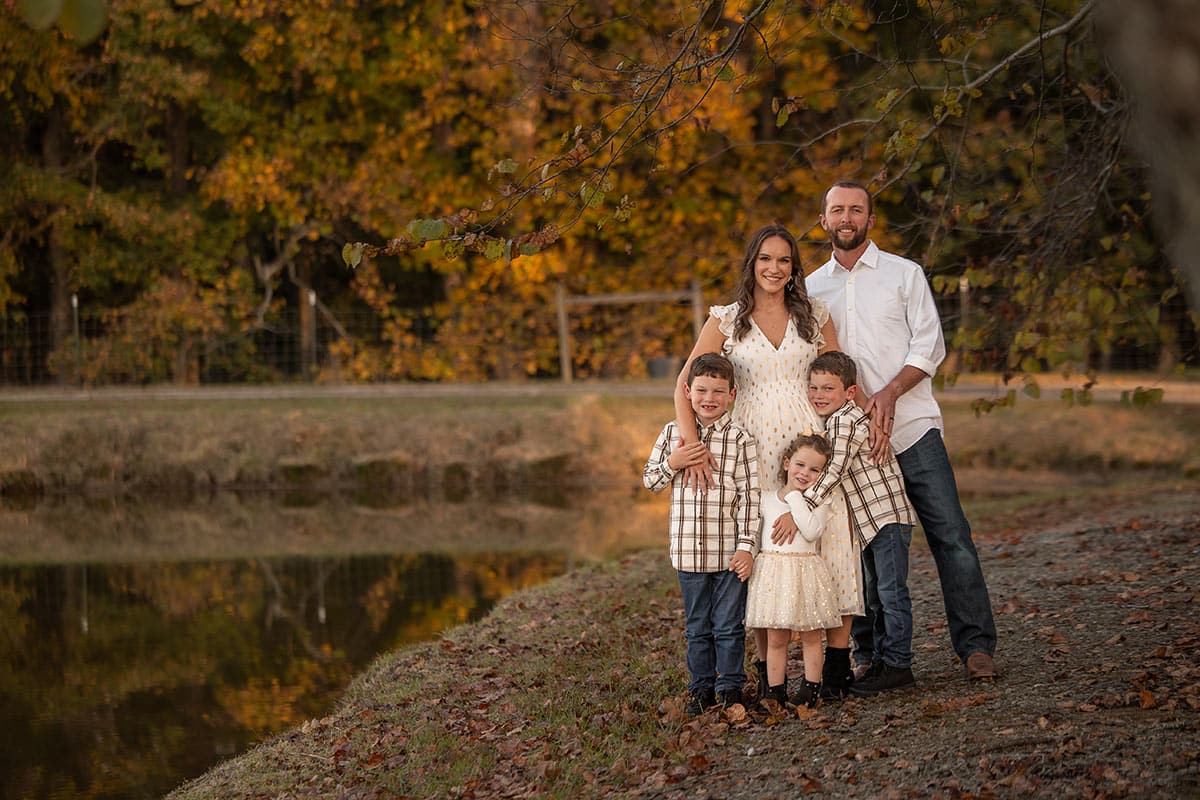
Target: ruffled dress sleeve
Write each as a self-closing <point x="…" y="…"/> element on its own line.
<point x="820" y="317"/>
<point x="726" y="316"/>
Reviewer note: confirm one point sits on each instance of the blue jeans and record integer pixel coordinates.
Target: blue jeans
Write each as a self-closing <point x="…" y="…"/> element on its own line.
<point x="714" y="604"/>
<point x="885" y="633"/>
<point x="929" y="483"/>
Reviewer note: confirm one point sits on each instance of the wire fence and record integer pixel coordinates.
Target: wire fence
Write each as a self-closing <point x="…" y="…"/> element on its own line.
<point x="113" y="347"/>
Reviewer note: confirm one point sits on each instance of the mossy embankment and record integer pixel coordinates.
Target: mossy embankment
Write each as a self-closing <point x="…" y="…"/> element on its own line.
<point x="154" y="478"/>
<point x="452" y="448"/>
<point x="493" y="445"/>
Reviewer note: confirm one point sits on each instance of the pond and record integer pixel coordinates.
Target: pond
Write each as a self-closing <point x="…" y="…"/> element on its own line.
<point x="142" y="643"/>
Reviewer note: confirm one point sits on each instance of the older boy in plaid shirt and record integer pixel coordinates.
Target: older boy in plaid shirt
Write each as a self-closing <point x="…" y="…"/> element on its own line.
<point x="713" y="534"/>
<point x="883" y="518"/>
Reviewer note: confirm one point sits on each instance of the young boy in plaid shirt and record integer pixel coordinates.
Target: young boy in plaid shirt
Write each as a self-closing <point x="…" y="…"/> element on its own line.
<point x="713" y="534"/>
<point x="883" y="518"/>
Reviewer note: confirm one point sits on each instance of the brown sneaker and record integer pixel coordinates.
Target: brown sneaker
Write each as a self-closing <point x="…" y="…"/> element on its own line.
<point x="981" y="667"/>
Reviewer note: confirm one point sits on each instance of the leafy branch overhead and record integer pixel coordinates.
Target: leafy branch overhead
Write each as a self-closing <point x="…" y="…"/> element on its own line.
<point x="225" y="155"/>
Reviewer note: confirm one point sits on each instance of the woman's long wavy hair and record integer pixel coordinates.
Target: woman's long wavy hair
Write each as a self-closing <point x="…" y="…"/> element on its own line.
<point x="795" y="297"/>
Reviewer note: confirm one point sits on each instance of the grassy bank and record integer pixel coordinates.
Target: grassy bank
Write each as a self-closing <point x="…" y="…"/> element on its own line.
<point x="483" y="446"/>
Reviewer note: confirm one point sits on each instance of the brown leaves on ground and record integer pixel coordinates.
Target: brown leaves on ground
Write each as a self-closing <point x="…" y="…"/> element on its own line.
<point x="576" y="690"/>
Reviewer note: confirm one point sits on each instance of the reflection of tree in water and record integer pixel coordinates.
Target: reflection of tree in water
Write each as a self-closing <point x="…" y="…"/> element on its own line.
<point x="123" y="680"/>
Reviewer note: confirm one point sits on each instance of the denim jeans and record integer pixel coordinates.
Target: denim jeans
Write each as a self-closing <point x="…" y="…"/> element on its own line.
<point x="929" y="483"/>
<point x="886" y="631"/>
<point x="714" y="604"/>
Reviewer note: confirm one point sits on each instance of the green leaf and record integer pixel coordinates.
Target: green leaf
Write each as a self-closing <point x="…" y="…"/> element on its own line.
<point x="83" y="20"/>
<point x="782" y="117"/>
<point x="508" y="166"/>
<point x="528" y="249"/>
<point x="452" y="248"/>
<point x="1033" y="390"/>
<point x="591" y="197"/>
<point x="726" y="73"/>
<point x="494" y="249"/>
<point x="885" y="102"/>
<point x="41" y="14"/>
<point x="352" y="254"/>
<point x="1068" y="397"/>
<point x="426" y="229"/>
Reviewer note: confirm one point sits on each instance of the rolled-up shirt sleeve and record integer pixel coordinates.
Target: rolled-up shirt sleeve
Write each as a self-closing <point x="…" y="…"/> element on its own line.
<point x="926" y="345"/>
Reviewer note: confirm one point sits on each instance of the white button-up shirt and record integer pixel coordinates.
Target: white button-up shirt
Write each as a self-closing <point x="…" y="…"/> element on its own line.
<point x="885" y="318"/>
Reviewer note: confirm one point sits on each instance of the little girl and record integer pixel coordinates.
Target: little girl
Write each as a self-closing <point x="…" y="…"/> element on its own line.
<point x="791" y="588"/>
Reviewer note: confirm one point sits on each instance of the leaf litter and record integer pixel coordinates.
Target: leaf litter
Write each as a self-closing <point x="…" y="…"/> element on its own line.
<point x="575" y="690"/>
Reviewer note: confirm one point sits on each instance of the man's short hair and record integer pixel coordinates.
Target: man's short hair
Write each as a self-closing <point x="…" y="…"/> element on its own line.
<point x="848" y="185"/>
<point x="711" y="365"/>
<point x="837" y="363"/>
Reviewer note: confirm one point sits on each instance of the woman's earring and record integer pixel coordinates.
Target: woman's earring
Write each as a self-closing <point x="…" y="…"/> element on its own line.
<point x="791" y="284"/>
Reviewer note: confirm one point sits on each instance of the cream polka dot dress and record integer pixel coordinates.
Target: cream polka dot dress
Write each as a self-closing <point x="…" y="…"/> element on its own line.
<point x="772" y="405"/>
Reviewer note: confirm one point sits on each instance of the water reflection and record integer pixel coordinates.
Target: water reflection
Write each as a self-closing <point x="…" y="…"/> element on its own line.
<point x="139" y="645"/>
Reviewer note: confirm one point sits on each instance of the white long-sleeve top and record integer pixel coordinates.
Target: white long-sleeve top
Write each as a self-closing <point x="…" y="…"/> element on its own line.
<point x="811" y="522"/>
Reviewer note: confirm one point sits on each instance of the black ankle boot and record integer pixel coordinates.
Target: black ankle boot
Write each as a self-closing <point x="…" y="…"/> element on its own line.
<point x="808" y="694"/>
<point x="760" y="667"/>
<point x="777" y="693"/>
<point x="838" y="675"/>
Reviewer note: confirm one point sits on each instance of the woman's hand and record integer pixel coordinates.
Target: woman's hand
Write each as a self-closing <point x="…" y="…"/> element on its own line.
<point x="784" y="530"/>
<point x="697" y="464"/>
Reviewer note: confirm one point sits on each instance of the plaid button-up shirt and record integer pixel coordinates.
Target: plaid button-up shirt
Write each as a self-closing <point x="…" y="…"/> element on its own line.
<point x="707" y="528"/>
<point x="874" y="492"/>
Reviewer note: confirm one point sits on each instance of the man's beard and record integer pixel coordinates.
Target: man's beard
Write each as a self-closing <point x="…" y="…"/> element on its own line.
<point x="858" y="237"/>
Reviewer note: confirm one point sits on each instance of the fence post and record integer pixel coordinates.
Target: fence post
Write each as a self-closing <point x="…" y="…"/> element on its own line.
<point x="310" y="350"/>
<point x="964" y="308"/>
<point x="78" y="346"/>
<point x="564" y="333"/>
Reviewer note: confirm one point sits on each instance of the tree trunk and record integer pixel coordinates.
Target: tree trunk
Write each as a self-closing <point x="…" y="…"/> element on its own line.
<point x="1155" y="49"/>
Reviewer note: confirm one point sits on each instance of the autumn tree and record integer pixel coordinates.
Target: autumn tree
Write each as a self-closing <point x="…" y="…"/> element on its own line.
<point x="467" y="159"/>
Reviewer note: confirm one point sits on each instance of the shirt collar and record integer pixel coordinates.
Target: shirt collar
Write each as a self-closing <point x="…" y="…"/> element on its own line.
<point x="719" y="424"/>
<point x="869" y="258"/>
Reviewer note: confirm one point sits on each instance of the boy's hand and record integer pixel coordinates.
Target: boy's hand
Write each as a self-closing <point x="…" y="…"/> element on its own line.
<point x="784" y="530"/>
<point x="743" y="564"/>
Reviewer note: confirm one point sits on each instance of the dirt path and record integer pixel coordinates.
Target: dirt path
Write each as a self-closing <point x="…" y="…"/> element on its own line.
<point x="1099" y="644"/>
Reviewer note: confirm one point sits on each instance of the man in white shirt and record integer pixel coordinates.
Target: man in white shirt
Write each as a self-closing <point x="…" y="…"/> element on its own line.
<point x="884" y="314"/>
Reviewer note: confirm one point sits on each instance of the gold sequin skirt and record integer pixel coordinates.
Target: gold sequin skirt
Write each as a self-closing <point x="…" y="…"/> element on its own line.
<point x="791" y="591"/>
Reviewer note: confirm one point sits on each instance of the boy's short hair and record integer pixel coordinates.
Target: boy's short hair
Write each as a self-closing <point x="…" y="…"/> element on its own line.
<point x="814" y="440"/>
<point x="711" y="365"/>
<point x="837" y="363"/>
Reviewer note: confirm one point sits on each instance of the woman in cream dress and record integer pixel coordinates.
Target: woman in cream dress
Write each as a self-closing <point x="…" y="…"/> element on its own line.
<point x="771" y="334"/>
